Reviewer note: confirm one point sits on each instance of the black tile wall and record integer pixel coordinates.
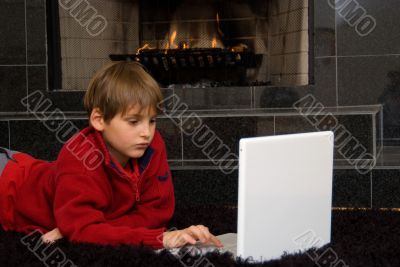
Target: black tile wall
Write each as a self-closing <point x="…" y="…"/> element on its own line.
<point x="362" y="80"/>
<point x="12" y="32"/>
<point x="292" y="124"/>
<point x="67" y="100"/>
<point x="205" y="187"/>
<point x="265" y="126"/>
<point x="37" y="78"/>
<point x="371" y="80"/>
<point x="228" y="129"/>
<point x="278" y="97"/>
<point x="12" y="87"/>
<point x="351" y="189"/>
<point x="368" y="66"/>
<point x="324" y="33"/>
<point x="4" y="141"/>
<point x="386" y="189"/>
<point x="36" y="31"/>
<point x="166" y="92"/>
<point x="27" y="136"/>
<point x="325" y="81"/>
<point x="379" y="129"/>
<point x="284" y="97"/>
<point x="390" y="99"/>
<point x="359" y="126"/>
<point x="215" y="98"/>
<point x="384" y="37"/>
<point x="171" y="134"/>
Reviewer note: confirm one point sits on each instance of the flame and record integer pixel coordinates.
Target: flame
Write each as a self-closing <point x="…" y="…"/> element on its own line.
<point x="170" y="43"/>
<point x="142" y="48"/>
<point x="180" y="37"/>
<point x="214" y="42"/>
<point x="166" y="47"/>
<point x="218" y="27"/>
<point x="172" y="40"/>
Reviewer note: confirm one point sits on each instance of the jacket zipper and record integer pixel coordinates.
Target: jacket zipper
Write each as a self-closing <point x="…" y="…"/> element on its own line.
<point x="129" y="179"/>
<point x="137" y="194"/>
<point x="140" y="175"/>
<point x="137" y="173"/>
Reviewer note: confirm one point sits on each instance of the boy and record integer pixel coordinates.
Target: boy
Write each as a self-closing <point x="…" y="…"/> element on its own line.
<point x="124" y="196"/>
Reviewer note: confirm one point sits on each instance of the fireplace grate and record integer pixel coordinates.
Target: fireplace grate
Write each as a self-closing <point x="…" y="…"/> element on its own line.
<point x="176" y="66"/>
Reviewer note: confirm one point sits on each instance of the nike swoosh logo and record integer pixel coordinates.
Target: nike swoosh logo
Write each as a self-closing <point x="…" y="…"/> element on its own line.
<point x="163" y="178"/>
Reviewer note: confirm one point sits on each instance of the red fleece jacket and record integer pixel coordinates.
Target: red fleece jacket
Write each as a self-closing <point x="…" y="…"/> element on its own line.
<point x="87" y="195"/>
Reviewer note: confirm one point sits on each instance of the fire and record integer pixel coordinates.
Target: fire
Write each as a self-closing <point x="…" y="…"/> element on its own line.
<point x="172" y="44"/>
<point x="166" y="47"/>
<point x="180" y="37"/>
<point x="218" y="27"/>
<point x="145" y="46"/>
<point x="214" y="42"/>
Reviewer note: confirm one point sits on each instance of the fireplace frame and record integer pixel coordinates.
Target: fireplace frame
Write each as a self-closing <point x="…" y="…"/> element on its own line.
<point x="54" y="47"/>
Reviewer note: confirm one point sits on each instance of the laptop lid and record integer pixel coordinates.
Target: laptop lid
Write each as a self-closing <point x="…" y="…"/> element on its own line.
<point x="285" y="194"/>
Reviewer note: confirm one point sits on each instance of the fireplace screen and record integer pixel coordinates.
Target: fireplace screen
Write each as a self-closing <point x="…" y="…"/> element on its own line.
<point x="186" y="42"/>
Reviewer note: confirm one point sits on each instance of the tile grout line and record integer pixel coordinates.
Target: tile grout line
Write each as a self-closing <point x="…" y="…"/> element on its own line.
<point x="371" y="188"/>
<point x="252" y="99"/>
<point x="26" y="54"/>
<point x="22" y="65"/>
<point x="359" y="56"/>
<point x="181" y="127"/>
<point x="9" y="134"/>
<point x="336" y="64"/>
<point x="47" y="87"/>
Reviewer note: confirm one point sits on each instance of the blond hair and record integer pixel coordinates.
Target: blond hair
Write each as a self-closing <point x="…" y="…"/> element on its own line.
<point x="119" y="86"/>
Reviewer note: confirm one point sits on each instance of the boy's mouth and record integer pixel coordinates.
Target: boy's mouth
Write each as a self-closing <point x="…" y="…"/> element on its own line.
<point x="142" y="145"/>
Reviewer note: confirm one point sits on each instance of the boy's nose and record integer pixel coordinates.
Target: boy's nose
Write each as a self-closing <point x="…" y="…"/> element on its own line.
<point x="145" y="132"/>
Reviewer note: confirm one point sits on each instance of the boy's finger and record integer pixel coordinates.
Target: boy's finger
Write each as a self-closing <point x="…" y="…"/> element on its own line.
<point x="48" y="238"/>
<point x="197" y="233"/>
<point x="205" y="232"/>
<point x="188" y="239"/>
<point x="216" y="241"/>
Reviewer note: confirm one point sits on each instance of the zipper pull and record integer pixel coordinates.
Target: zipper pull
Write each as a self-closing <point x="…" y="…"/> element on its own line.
<point x="137" y="195"/>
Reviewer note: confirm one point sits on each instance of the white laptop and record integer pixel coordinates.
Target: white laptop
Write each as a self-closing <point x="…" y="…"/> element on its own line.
<point x="285" y="195"/>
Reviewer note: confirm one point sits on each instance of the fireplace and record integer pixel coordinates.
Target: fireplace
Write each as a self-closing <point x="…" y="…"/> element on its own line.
<point x="185" y="42"/>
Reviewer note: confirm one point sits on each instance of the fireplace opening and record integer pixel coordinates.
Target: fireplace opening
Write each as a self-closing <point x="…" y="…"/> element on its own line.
<point x="190" y="43"/>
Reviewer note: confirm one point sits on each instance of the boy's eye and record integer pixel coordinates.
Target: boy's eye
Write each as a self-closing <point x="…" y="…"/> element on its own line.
<point x="153" y="121"/>
<point x="132" y="122"/>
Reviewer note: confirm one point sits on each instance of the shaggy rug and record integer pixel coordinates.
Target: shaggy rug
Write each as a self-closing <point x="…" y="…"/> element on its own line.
<point x="359" y="238"/>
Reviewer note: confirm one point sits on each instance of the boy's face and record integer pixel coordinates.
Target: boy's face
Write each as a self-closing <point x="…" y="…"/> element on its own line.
<point x="128" y="136"/>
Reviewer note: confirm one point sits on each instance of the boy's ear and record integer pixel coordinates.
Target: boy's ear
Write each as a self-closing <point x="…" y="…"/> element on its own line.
<point x="97" y="120"/>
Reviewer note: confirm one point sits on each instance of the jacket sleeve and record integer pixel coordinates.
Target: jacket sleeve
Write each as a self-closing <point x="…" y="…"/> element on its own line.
<point x="157" y="201"/>
<point x="78" y="207"/>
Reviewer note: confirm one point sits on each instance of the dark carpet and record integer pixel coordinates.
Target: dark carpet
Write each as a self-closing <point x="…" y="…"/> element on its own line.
<point x="359" y="238"/>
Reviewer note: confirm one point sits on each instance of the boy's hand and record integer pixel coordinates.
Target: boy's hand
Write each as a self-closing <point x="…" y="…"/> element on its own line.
<point x="190" y="235"/>
<point x="52" y="236"/>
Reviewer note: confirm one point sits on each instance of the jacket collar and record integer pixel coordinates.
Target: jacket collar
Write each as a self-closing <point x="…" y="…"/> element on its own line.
<point x="142" y="161"/>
